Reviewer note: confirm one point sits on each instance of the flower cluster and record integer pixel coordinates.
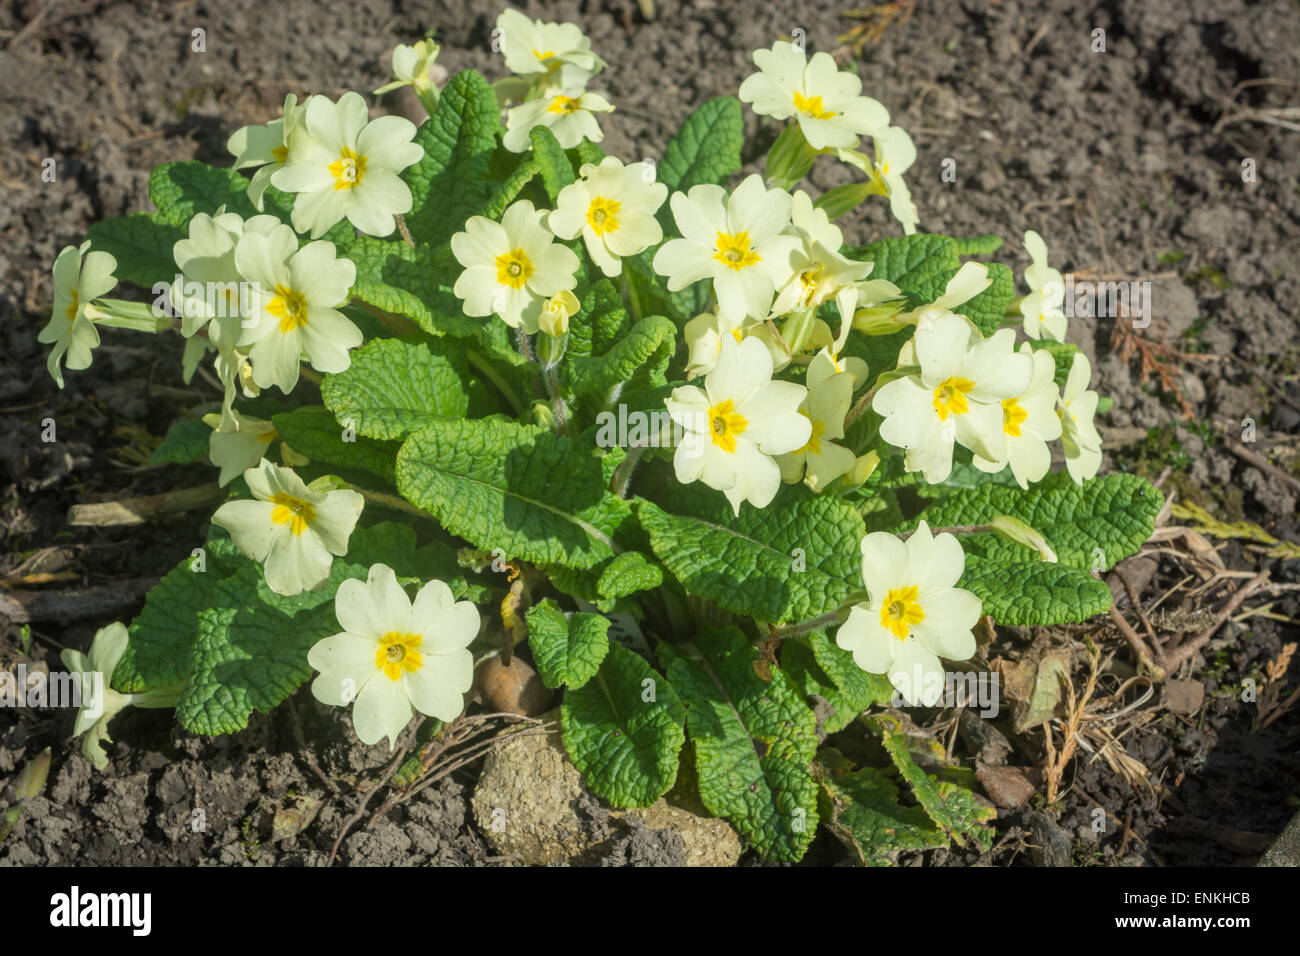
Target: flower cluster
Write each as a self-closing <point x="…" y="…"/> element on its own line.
<point x="763" y="321"/>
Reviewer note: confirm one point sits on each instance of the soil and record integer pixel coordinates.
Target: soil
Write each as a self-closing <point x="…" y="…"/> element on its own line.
<point x="1129" y="162"/>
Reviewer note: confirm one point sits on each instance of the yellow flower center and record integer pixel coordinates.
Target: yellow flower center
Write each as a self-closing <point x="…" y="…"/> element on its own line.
<point x="348" y="169"/>
<point x="901" y="611"/>
<point x="74" y="306"/>
<point x="398" y="652"/>
<point x="814" y="443"/>
<point x="725" y="425"/>
<point x="812" y="106"/>
<point x="602" y="215"/>
<point x="733" y="251"/>
<point x="295" y="512"/>
<point x="563" y="104"/>
<point x="1013" y="416"/>
<point x="514" y="269"/>
<point x="280" y="154"/>
<point x="289" y="307"/>
<point x="543" y="55"/>
<point x="950" y="397"/>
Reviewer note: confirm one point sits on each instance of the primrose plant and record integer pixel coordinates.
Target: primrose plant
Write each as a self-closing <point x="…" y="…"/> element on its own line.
<point x="732" y="478"/>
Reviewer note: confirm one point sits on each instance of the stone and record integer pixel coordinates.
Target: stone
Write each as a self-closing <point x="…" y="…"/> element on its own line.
<point x="1184" y="696"/>
<point x="1285" y="850"/>
<point x="531" y="805"/>
<point x="1007" y="787"/>
<point x="515" y="688"/>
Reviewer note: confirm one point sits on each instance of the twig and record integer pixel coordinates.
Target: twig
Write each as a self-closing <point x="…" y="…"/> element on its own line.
<point x="365" y="797"/>
<point x="1262" y="463"/>
<point x="1184" y="651"/>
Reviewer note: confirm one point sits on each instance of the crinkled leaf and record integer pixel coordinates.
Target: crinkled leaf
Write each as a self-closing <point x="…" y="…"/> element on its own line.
<point x="566" y="650"/>
<point x="314" y="432"/>
<point x="1091" y="526"/>
<point x="707" y="147"/>
<point x="394" y="388"/>
<point x="599" y="323"/>
<point x="453" y="182"/>
<point x="848" y="692"/>
<point x="988" y="309"/>
<point x="557" y="171"/>
<point x="920" y="265"/>
<point x="396" y="278"/>
<point x="862" y="809"/>
<point x="628" y="573"/>
<point x="650" y="343"/>
<point x="624" y="730"/>
<point x="536" y="495"/>
<point x="753" y="742"/>
<point x="142" y="245"/>
<point x="978" y="245"/>
<point x="747" y="564"/>
<point x="958" y="810"/>
<point x="509" y="190"/>
<point x="1024" y="593"/>
<point x="185" y="442"/>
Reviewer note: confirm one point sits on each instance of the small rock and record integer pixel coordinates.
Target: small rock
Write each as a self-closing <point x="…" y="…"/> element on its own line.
<point x="530" y="804"/>
<point x="1050" y="845"/>
<point x="1184" y="696"/>
<point x="1006" y="786"/>
<point x="515" y="688"/>
<point x="1285" y="850"/>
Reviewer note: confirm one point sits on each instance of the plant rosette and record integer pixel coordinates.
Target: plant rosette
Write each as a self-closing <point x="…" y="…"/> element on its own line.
<point x="524" y="389"/>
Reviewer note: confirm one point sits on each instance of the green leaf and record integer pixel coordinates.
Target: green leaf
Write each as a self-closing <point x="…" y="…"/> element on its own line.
<point x="849" y="692"/>
<point x="753" y="742"/>
<point x="163" y="634"/>
<point x="747" y="564"/>
<point x="314" y="432"/>
<point x="142" y="245"/>
<point x="453" y="180"/>
<point x="978" y="245"/>
<point x="185" y="442"/>
<point x="396" y="545"/>
<point x="858" y="689"/>
<point x="863" y="810"/>
<point x="1091" y="526"/>
<point x="509" y="190"/>
<point x="181" y="190"/>
<point x="707" y="147"/>
<point x="251" y="653"/>
<point x="920" y="265"/>
<point x="651" y="343"/>
<point x="624" y="730"/>
<point x="988" y="309"/>
<point x="589" y="152"/>
<point x="557" y="171"/>
<point x="396" y="278"/>
<point x="236" y="645"/>
<point x="1023" y="594"/>
<point x="566" y="650"/>
<point x="600" y="322"/>
<point x="628" y="573"/>
<point x="956" y="809"/>
<point x="393" y="388"/>
<point x="536" y="495"/>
